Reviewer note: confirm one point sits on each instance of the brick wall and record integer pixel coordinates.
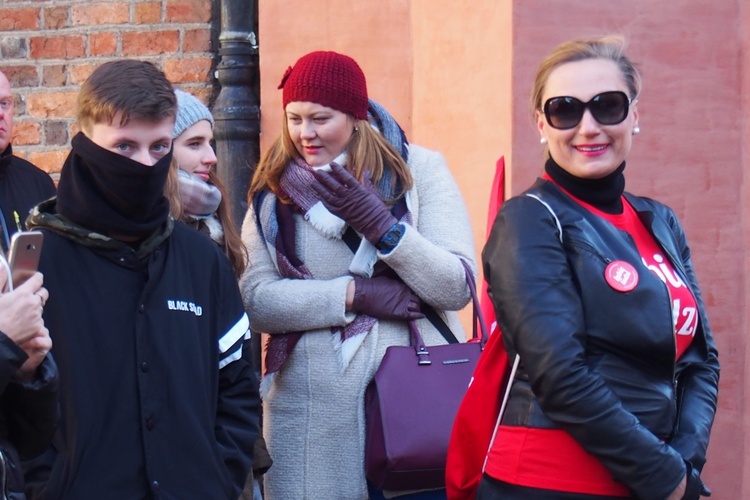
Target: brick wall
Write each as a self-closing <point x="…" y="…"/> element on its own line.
<point x="48" y="48"/>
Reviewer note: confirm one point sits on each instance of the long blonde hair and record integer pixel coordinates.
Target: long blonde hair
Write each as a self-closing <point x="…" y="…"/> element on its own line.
<point x="367" y="150"/>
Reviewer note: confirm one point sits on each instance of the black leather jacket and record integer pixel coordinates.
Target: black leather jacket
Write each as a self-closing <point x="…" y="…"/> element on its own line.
<point x="596" y="362"/>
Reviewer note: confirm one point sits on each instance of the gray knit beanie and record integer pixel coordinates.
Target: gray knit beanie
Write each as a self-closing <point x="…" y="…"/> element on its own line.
<point x="190" y="110"/>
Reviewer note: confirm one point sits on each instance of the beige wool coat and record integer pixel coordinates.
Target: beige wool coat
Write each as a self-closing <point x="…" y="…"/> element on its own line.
<point x="314" y="419"/>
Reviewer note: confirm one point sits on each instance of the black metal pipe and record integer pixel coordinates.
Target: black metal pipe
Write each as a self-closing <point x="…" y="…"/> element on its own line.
<point x="237" y="107"/>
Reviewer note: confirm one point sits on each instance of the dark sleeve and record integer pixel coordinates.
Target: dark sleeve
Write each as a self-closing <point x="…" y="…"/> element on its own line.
<point x="698" y="385"/>
<point x="11" y="359"/>
<point x="238" y="412"/>
<point x="540" y="313"/>
<point x="32" y="410"/>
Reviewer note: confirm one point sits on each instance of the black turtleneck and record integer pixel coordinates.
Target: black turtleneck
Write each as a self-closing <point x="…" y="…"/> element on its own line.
<point x="605" y="194"/>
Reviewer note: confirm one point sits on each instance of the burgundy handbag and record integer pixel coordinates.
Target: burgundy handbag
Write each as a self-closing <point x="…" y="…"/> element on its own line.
<point x="410" y="406"/>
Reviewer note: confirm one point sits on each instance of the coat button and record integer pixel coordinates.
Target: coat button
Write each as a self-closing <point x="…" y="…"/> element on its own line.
<point x="144" y="367"/>
<point x="141" y="308"/>
<point x="150" y="424"/>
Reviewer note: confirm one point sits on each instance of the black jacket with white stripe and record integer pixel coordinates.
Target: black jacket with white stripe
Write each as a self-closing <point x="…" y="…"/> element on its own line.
<point x="158" y="395"/>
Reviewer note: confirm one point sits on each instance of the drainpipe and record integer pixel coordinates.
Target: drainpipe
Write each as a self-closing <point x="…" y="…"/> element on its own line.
<point x="237" y="107"/>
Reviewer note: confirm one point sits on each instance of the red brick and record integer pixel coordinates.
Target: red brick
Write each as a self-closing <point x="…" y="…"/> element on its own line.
<point x="25" y="18"/>
<point x="49" y="161"/>
<point x="147" y="13"/>
<point x="103" y="44"/>
<point x="55" y="18"/>
<point x="196" y="69"/>
<point x="21" y="76"/>
<point x="26" y="133"/>
<point x="188" y="11"/>
<point x="79" y="72"/>
<point x="54" y="75"/>
<point x="196" y="41"/>
<point x="58" y="47"/>
<point x="94" y="14"/>
<point x="150" y="43"/>
<point x="52" y="105"/>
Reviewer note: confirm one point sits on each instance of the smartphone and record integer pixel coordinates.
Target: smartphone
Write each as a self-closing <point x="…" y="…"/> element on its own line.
<point x="23" y="256"/>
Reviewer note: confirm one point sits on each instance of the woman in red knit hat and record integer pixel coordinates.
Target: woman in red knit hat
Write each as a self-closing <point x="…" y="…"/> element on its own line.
<point x="350" y="232"/>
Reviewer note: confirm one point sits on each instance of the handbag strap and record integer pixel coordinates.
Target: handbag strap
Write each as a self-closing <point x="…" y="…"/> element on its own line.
<point x="506" y="396"/>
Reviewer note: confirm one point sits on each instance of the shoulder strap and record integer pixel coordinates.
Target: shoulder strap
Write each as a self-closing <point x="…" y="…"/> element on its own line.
<point x="506" y="396"/>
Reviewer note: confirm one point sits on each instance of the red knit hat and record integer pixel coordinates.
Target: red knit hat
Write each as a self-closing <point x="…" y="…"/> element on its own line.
<point x="328" y="78"/>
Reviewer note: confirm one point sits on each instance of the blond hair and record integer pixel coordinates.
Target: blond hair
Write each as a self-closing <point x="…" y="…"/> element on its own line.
<point x="611" y="47"/>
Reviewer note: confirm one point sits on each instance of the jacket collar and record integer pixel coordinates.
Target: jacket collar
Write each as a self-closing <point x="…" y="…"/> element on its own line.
<point x="45" y="216"/>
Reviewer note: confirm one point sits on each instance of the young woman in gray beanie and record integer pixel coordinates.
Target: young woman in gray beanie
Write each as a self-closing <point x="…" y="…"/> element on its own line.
<point x="195" y="194"/>
<point x="196" y="197"/>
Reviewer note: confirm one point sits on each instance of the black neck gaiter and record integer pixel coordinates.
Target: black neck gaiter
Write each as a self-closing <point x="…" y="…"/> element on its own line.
<point x="111" y="194"/>
<point x="604" y="194"/>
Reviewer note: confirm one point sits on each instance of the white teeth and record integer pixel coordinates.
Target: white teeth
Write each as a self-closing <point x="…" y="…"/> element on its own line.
<point x="589" y="149"/>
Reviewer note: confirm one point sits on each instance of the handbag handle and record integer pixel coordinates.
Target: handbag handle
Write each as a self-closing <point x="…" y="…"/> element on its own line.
<point x="423" y="355"/>
<point x="477" y="317"/>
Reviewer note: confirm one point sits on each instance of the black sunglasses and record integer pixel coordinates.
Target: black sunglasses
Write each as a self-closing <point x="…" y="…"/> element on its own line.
<point x="608" y="108"/>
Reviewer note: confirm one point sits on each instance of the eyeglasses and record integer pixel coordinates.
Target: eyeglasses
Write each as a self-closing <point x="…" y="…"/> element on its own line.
<point x="608" y="108"/>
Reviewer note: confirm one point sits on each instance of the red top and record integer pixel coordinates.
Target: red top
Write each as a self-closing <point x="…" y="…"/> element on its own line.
<point x="551" y="458"/>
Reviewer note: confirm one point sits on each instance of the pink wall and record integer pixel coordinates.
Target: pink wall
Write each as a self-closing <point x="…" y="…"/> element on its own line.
<point x="743" y="389"/>
<point x="376" y="34"/>
<point x="457" y="76"/>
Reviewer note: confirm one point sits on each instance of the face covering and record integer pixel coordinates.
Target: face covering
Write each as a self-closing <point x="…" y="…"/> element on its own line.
<point x="111" y="194"/>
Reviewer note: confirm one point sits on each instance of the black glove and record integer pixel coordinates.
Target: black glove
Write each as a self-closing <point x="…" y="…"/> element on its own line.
<point x="694" y="487"/>
<point x="357" y="204"/>
<point x="385" y="298"/>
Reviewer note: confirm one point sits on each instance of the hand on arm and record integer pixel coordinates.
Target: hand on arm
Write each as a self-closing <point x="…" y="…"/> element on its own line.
<point x="385" y="298"/>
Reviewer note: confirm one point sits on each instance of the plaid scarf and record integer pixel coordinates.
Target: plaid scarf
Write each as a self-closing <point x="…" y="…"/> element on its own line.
<point x="275" y="223"/>
<point x="199" y="199"/>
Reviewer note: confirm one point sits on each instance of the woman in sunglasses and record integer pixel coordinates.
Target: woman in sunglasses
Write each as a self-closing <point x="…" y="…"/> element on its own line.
<point x="594" y="290"/>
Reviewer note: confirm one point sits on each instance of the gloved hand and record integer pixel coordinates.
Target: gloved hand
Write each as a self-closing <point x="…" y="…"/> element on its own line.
<point x="694" y="489"/>
<point x="359" y="205"/>
<point x="385" y="298"/>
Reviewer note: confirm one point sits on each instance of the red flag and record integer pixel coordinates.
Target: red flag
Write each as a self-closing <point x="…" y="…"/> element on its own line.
<point x="477" y="415"/>
<point x="497" y="196"/>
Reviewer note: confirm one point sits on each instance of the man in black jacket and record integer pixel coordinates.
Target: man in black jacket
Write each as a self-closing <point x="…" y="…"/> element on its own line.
<point x="22" y="185"/>
<point x="159" y="397"/>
